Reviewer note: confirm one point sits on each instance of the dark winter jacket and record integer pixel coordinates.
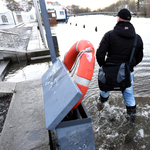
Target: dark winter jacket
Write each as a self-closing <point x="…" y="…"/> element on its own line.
<point x="117" y="45"/>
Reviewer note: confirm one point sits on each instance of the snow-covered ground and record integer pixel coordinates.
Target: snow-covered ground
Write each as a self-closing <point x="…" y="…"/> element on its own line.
<point x="19" y="41"/>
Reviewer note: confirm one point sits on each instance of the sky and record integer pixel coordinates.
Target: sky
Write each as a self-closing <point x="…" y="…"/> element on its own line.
<point x="93" y="4"/>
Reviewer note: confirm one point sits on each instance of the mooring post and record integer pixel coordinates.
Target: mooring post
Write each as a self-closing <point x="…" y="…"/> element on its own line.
<point x="48" y="31"/>
<point x="38" y="15"/>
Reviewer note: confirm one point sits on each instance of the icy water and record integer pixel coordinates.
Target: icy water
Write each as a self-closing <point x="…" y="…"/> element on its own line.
<point x="111" y="129"/>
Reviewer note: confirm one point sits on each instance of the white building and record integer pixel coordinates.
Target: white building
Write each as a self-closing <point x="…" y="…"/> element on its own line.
<point x="5" y="15"/>
<point x="25" y="17"/>
<point x="9" y="17"/>
<point x="60" y="11"/>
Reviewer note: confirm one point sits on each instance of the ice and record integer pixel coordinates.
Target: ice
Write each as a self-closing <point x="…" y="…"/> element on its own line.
<point x="141" y="131"/>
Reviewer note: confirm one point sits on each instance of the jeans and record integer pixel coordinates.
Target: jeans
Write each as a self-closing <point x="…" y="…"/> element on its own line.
<point x="127" y="94"/>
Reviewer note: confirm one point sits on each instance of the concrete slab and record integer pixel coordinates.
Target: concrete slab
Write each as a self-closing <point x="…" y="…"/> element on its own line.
<point x="24" y="127"/>
<point x="13" y="55"/>
<point x="34" y="40"/>
<point x="7" y="87"/>
<point x="4" y="64"/>
<point x="35" y="47"/>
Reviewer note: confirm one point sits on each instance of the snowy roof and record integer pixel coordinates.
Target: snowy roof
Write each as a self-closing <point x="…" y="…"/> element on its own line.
<point x="53" y="3"/>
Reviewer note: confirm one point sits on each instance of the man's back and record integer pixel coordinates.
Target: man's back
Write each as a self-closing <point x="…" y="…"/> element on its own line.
<point x="118" y="45"/>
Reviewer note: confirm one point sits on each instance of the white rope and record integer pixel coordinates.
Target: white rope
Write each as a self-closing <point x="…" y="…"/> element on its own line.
<point x="73" y="69"/>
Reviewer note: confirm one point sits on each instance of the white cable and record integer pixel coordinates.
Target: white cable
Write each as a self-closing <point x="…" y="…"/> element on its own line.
<point x="73" y="69"/>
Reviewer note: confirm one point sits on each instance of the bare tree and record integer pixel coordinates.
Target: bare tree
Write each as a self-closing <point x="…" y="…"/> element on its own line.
<point x="148" y="7"/>
<point x="77" y="9"/>
<point x="19" y="6"/>
<point x="144" y="8"/>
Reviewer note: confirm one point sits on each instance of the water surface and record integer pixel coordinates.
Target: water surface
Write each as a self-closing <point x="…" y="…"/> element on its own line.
<point x="111" y="129"/>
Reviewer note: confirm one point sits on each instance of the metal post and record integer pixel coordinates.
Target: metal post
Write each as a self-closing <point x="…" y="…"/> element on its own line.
<point x="48" y="31"/>
<point x="13" y="17"/>
<point x="39" y="22"/>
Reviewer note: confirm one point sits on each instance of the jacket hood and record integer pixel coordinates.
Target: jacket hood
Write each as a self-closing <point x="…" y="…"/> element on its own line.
<point x="124" y="29"/>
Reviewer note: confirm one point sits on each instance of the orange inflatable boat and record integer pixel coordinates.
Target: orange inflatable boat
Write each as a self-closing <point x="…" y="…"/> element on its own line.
<point x="80" y="61"/>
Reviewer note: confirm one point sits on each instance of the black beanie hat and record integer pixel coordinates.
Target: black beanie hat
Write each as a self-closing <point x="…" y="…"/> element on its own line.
<point x="124" y="14"/>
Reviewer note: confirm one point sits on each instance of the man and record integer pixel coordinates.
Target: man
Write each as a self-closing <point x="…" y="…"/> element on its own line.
<point x="117" y="45"/>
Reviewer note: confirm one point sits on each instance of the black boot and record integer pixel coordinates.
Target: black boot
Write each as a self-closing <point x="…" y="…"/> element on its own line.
<point x="131" y="112"/>
<point x="101" y="101"/>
